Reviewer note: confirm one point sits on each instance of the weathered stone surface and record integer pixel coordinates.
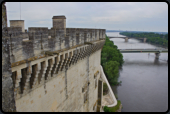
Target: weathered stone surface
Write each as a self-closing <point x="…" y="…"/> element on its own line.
<point x="4" y="16"/>
<point x="46" y="69"/>
<point x="54" y="99"/>
<point x="8" y="101"/>
<point x="18" y="23"/>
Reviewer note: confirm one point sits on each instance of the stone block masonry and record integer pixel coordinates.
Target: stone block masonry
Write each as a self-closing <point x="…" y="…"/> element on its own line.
<point x="55" y="83"/>
<point x="38" y="40"/>
<point x="18" y="23"/>
<point x="8" y="100"/>
<point x="51" y="70"/>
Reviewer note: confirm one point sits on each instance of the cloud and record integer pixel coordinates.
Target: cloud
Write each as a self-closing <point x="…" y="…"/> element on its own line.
<point x="106" y="15"/>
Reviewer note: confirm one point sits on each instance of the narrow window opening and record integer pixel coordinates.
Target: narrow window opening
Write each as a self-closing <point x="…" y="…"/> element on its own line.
<point x="95" y="83"/>
<point x="84" y="97"/>
<point x="82" y="90"/>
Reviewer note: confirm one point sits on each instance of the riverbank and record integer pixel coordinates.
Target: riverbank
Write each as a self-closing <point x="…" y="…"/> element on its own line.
<point x="116" y="108"/>
<point x="111" y="60"/>
<point x="152" y="38"/>
<point x="141" y="74"/>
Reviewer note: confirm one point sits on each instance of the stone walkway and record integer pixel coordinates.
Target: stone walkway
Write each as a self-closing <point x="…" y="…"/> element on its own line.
<point x="107" y="100"/>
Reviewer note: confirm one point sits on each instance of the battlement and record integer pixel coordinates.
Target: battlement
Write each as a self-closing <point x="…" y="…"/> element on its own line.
<point x="17" y="23"/>
<point x="55" y="69"/>
<point x="59" y="17"/>
<point x="25" y="45"/>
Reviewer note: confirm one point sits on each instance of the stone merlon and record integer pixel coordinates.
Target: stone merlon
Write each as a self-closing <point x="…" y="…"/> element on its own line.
<point x="59" y="17"/>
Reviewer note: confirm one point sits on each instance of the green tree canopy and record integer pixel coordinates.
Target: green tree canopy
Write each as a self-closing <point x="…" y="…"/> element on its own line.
<point x="111" y="60"/>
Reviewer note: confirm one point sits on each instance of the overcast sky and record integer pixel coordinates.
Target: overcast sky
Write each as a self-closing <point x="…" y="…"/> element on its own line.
<point x="147" y="16"/>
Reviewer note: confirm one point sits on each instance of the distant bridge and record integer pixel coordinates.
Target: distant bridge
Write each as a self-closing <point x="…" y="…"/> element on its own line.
<point x="116" y="37"/>
<point x="156" y="51"/>
<point x="126" y="38"/>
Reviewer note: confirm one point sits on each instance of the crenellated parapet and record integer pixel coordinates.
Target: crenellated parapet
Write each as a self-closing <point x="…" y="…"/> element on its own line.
<point x="38" y="40"/>
<point x="56" y="69"/>
<point x="40" y="55"/>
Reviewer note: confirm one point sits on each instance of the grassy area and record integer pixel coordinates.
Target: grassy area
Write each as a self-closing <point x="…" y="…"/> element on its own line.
<point x="112" y="109"/>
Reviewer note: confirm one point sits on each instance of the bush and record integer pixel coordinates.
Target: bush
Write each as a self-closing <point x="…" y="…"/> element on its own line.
<point x="112" y="109"/>
<point x="106" y="109"/>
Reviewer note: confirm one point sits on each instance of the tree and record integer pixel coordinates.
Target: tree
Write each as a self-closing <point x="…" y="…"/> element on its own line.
<point x="111" y="59"/>
<point x="106" y="109"/>
<point x="112" y="70"/>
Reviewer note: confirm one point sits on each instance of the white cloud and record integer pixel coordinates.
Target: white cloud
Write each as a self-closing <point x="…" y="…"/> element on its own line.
<point x="107" y="15"/>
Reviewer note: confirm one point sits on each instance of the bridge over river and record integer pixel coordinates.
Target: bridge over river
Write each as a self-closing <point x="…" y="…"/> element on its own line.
<point x="126" y="38"/>
<point x="156" y="51"/>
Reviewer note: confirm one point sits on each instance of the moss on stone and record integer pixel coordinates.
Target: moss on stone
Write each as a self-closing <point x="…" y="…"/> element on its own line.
<point x="49" y="53"/>
<point x="90" y="43"/>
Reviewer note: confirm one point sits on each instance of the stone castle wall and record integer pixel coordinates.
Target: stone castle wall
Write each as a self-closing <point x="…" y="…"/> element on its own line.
<point x="55" y="69"/>
<point x="4" y="16"/>
<point x="8" y="100"/>
<point x="17" y="23"/>
<point x="57" y="87"/>
<point x="25" y="45"/>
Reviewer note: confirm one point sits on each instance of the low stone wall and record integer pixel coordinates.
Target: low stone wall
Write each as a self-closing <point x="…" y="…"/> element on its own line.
<point x="110" y="89"/>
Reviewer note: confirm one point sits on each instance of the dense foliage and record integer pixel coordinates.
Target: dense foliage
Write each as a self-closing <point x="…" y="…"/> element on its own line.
<point x="112" y="109"/>
<point x="106" y="109"/>
<point x="160" y="39"/>
<point x="111" y="60"/>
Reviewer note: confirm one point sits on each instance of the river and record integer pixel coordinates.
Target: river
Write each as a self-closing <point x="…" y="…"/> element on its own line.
<point x="144" y="79"/>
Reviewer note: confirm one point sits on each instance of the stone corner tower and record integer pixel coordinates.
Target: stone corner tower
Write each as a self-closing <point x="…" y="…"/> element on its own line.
<point x="17" y="23"/>
<point x="59" y="22"/>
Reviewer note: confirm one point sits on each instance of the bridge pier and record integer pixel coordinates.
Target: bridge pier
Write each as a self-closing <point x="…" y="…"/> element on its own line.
<point x="157" y="55"/>
<point x="144" y="40"/>
<point x="126" y="39"/>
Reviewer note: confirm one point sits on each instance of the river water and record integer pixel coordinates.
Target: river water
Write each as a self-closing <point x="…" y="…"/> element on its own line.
<point x="144" y="79"/>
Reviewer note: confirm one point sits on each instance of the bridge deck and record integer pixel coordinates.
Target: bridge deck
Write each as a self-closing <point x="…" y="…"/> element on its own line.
<point x="125" y="37"/>
<point x="143" y="51"/>
<point x="116" y="37"/>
